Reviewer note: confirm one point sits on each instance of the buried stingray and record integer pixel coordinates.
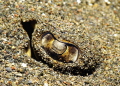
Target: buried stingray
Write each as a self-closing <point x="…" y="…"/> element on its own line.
<point x="60" y="54"/>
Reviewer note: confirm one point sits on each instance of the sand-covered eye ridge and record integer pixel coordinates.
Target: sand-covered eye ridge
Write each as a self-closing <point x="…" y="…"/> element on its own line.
<point x="61" y="51"/>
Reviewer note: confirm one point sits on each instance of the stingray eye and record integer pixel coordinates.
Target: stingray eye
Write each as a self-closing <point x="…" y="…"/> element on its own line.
<point x="59" y="50"/>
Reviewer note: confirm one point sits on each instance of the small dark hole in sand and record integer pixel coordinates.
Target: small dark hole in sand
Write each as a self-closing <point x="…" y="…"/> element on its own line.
<point x="29" y="26"/>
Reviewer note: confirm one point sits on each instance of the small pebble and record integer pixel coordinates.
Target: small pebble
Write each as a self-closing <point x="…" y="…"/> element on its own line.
<point x="21" y="70"/>
<point x="18" y="74"/>
<point x="8" y="69"/>
<point x="24" y="64"/>
<point x="45" y="83"/>
<point x="30" y="82"/>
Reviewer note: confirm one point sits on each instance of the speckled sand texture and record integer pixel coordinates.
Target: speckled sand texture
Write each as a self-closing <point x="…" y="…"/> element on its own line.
<point x="92" y="25"/>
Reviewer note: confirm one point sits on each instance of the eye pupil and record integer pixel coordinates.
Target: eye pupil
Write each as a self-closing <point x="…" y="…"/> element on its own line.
<point x="49" y="37"/>
<point x="58" y="47"/>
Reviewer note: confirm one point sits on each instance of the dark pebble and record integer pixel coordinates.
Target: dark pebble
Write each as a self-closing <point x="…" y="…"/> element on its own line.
<point x="7" y="57"/>
<point x="1" y="31"/>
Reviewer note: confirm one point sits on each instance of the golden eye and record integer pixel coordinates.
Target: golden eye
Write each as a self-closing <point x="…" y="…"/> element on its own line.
<point x="58" y="50"/>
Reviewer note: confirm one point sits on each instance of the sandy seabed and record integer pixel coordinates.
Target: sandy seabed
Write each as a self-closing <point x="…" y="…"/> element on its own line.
<point x="93" y="26"/>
